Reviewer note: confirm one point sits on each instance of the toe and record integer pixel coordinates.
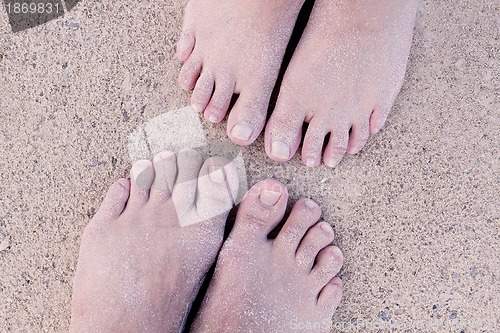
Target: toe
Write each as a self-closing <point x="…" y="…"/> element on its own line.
<point x="142" y="175"/>
<point x="358" y="137"/>
<point x="248" y="116"/>
<point x="202" y="92"/>
<point x="184" y="193"/>
<point x="312" y="148"/>
<point x="185" y="46"/>
<point x="217" y="188"/>
<point x="261" y="210"/>
<point x="316" y="238"/>
<point x="165" y="166"/>
<point x="284" y="131"/>
<point x="336" y="147"/>
<point x="330" y="296"/>
<point x="114" y="202"/>
<point x="378" y="118"/>
<point x="189" y="73"/>
<point x="329" y="261"/>
<point x="305" y="213"/>
<point x="219" y="103"/>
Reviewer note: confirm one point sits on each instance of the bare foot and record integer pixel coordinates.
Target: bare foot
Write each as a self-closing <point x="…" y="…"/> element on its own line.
<point x="280" y="285"/>
<point x="235" y="47"/>
<point x="343" y="79"/>
<point x="141" y="260"/>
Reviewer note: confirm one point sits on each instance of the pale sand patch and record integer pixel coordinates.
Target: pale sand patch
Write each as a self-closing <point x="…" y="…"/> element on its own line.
<point x="182" y="129"/>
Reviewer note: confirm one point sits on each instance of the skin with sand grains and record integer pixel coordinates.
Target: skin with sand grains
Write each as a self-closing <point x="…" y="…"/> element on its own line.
<point x="343" y="77"/>
<point x="140" y="267"/>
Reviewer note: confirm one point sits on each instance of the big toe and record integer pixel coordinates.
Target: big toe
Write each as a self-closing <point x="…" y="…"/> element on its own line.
<point x="248" y="116"/>
<point x="260" y="211"/>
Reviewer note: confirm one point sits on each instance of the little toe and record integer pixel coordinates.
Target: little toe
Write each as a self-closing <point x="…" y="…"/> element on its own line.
<point x="165" y="166"/>
<point x="219" y="103"/>
<point x="114" y="203"/>
<point x="330" y="296"/>
<point x="188" y="167"/>
<point x="358" y="137"/>
<point x="283" y="131"/>
<point x="336" y="147"/>
<point x="189" y="73"/>
<point x="312" y="148"/>
<point x="142" y="176"/>
<point x="329" y="261"/>
<point x="217" y="188"/>
<point x="305" y="213"/>
<point x="202" y="92"/>
<point x="248" y="116"/>
<point x="185" y="46"/>
<point x="316" y="238"/>
<point x="261" y="210"/>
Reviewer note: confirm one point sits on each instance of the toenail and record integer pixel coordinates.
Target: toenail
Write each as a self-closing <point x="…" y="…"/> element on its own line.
<point x="310" y="162"/>
<point x="326" y="227"/>
<point x="124" y="183"/>
<point x="337" y="288"/>
<point x="164" y="155"/>
<point x="212" y="119"/>
<point x="332" y="162"/>
<point x="189" y="152"/>
<point x="337" y="253"/>
<point x="280" y="150"/>
<point x="269" y="198"/>
<point x="216" y="174"/>
<point x="197" y="108"/>
<point x="310" y="204"/>
<point x="242" y="131"/>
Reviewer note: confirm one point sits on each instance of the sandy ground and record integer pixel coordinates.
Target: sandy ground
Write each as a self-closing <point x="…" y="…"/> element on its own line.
<point x="416" y="213"/>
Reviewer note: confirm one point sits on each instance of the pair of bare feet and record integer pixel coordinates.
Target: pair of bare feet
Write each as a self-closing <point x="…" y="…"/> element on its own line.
<point x="147" y="250"/>
<point x="343" y="77"/>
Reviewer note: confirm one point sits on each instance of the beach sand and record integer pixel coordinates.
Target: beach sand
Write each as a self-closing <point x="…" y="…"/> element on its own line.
<point x="415" y="213"/>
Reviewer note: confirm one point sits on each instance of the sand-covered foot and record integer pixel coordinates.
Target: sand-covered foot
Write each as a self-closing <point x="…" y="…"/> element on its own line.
<point x="343" y="79"/>
<point x="274" y="285"/>
<point x="145" y="253"/>
<point x="235" y="47"/>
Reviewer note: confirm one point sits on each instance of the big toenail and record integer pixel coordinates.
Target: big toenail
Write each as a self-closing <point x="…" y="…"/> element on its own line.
<point x="242" y="131"/>
<point x="197" y="108"/>
<point x="216" y="174"/>
<point x="269" y="198"/>
<point x="326" y="227"/>
<point x="280" y="150"/>
<point x="310" y="204"/>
